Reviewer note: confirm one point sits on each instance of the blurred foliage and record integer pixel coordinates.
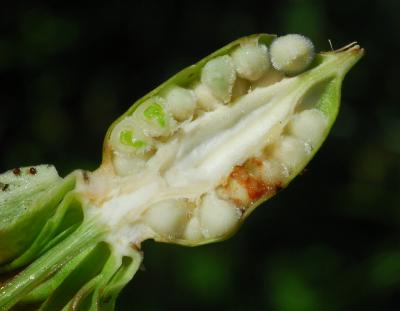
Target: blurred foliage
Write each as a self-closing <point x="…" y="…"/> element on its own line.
<point x="328" y="242"/>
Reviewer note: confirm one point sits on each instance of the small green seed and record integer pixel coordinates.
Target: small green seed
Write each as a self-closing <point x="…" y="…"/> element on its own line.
<point x="155" y="112"/>
<point x="127" y="138"/>
<point x="153" y="118"/>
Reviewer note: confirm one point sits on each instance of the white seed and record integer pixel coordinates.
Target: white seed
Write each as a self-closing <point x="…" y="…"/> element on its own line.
<point x="193" y="230"/>
<point x="167" y="217"/>
<point x="274" y="172"/>
<point x="219" y="76"/>
<point x="127" y="165"/>
<point x="290" y="152"/>
<point x="181" y="103"/>
<point x="292" y="53"/>
<point x="308" y="125"/>
<point x="128" y="138"/>
<point x="217" y="217"/>
<point x="272" y="76"/>
<point x="251" y="60"/>
<point x="154" y="118"/>
<point x="240" y="88"/>
<point x="235" y="191"/>
<point x="205" y="99"/>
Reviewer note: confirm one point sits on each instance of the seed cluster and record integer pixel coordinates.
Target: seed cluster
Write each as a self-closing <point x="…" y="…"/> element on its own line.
<point x="222" y="81"/>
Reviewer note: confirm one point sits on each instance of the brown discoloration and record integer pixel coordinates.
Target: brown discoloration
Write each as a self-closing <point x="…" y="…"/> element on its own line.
<point x="254" y="185"/>
<point x="17" y="171"/>
<point x="135" y="246"/>
<point x="4" y="187"/>
<point x="32" y="171"/>
<point x="86" y="177"/>
<point x="249" y="175"/>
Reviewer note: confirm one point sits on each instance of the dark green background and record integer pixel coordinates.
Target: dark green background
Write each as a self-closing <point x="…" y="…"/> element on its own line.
<point x="328" y="242"/>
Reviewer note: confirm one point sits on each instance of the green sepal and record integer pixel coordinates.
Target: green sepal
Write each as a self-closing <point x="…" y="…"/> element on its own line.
<point x="26" y="205"/>
<point x="87" y="235"/>
<point x="65" y="219"/>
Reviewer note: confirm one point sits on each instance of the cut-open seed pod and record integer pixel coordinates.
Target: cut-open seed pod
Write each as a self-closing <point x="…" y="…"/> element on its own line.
<point x="185" y="164"/>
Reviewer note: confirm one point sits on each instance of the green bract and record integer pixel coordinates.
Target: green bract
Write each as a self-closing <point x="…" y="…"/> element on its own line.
<point x="186" y="164"/>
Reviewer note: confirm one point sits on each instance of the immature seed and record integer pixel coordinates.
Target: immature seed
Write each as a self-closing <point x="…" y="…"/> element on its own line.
<point x="219" y="75"/>
<point x="167" y="217"/>
<point x="126" y="164"/>
<point x="290" y="152"/>
<point x="274" y="172"/>
<point x="292" y="53"/>
<point x="251" y="60"/>
<point x="181" y="103"/>
<point x="217" y="216"/>
<point x="153" y="118"/>
<point x="308" y="125"/>
<point x="205" y="98"/>
<point x="127" y="137"/>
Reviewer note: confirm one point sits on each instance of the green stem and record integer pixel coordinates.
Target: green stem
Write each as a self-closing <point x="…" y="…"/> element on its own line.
<point x="87" y="235"/>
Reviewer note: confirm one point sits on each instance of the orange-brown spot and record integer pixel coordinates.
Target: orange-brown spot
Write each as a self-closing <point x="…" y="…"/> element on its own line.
<point x="255" y="186"/>
<point x="86" y="177"/>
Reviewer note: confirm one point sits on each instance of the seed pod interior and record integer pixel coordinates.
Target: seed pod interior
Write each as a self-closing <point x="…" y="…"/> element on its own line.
<point x="245" y="131"/>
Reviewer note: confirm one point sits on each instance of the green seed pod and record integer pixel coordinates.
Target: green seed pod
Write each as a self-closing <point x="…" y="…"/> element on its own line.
<point x="186" y="164"/>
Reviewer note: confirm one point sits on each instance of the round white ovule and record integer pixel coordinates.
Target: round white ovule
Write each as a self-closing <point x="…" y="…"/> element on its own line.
<point x="308" y="125"/>
<point x="274" y="172"/>
<point x="290" y="152"/>
<point x="167" y="217"/>
<point x="217" y="217"/>
<point x="205" y="99"/>
<point x="219" y="76"/>
<point x="181" y="103"/>
<point x="251" y="60"/>
<point x="292" y="53"/>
